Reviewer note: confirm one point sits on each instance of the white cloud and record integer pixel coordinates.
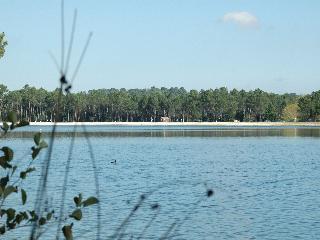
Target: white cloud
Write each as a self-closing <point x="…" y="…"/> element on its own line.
<point x="243" y="19"/>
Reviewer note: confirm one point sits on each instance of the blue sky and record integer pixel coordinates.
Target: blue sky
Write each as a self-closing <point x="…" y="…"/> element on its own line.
<point x="245" y="44"/>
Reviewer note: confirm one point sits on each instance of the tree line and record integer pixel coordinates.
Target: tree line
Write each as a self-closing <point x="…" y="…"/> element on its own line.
<point x="149" y="105"/>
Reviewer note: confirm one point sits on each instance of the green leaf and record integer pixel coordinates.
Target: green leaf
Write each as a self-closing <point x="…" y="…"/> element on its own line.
<point x="35" y="152"/>
<point x="37" y="138"/>
<point x="2" y="230"/>
<point x="4" y="163"/>
<point x="23" y="174"/>
<point x="23" y="196"/>
<point x="42" y="221"/>
<point x="10" y="214"/>
<point x="8" y="190"/>
<point x="11" y="225"/>
<point x="90" y="201"/>
<point x="4" y="181"/>
<point x="34" y="216"/>
<point x="49" y="216"/>
<point x="76" y="201"/>
<point x="23" y="123"/>
<point x="19" y="218"/>
<point x="30" y="169"/>
<point x="8" y="153"/>
<point x="25" y="215"/>
<point x="8" y="156"/>
<point x="76" y="214"/>
<point x="12" y="117"/>
<point x="5" y="127"/>
<point x="43" y="144"/>
<point x="67" y="232"/>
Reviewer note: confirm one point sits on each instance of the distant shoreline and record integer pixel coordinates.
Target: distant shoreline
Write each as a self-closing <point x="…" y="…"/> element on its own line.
<point x="204" y="124"/>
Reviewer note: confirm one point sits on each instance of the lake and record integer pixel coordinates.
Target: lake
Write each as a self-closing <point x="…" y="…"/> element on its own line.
<point x="265" y="180"/>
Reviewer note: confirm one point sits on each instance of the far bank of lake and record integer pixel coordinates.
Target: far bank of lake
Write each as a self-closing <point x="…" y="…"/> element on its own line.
<point x="220" y="124"/>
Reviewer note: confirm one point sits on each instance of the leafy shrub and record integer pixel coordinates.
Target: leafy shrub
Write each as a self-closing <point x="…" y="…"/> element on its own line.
<point x="10" y="184"/>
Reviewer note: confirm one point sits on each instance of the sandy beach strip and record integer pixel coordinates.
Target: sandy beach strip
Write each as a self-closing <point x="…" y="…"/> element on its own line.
<point x="182" y="124"/>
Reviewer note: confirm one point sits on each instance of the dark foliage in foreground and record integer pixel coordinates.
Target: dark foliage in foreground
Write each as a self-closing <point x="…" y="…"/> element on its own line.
<point x="12" y="175"/>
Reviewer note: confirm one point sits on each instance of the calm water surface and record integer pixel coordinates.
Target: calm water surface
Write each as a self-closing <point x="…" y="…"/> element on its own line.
<point x="266" y="180"/>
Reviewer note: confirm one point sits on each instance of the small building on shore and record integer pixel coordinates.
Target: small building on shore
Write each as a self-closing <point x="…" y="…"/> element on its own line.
<point x="165" y="119"/>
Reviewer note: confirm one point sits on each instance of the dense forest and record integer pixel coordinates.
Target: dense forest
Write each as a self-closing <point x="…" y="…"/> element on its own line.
<point x="145" y="105"/>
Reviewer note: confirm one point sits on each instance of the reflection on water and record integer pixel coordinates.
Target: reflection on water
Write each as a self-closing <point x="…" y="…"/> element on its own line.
<point x="171" y="132"/>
